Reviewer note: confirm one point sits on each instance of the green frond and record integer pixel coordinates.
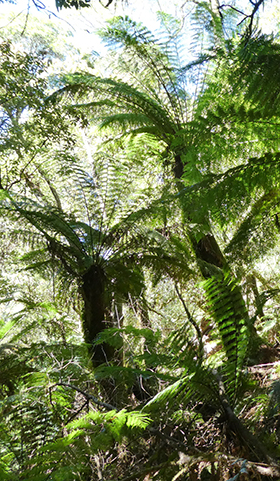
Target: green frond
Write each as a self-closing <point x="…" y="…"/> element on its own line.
<point x="227" y="194"/>
<point x="180" y="345"/>
<point x="258" y="67"/>
<point x="66" y="457"/>
<point x="45" y="218"/>
<point x="208" y="27"/>
<point x="123" y="30"/>
<point x="127" y="120"/>
<point x="125" y="97"/>
<point x="157" y="55"/>
<point x="230" y="314"/>
<point x="258" y="232"/>
<point x="6" y="329"/>
<point x="104" y="196"/>
<point x="198" y="384"/>
<point x="157" y="74"/>
<point x="122" y="375"/>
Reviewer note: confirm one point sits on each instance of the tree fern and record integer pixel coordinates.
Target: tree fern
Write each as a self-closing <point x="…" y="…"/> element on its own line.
<point x="104" y="255"/>
<point x="139" y="109"/>
<point x="105" y="244"/>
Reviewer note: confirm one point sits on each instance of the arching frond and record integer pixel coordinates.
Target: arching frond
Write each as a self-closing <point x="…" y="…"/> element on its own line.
<point x="122" y="97"/>
<point x="258" y="67"/>
<point x="157" y="58"/>
<point x="258" y="232"/>
<point x="226" y="194"/>
<point x="230" y="314"/>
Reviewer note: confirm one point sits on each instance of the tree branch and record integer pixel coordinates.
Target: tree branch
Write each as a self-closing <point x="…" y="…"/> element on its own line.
<point x="89" y="397"/>
<point x="255" y="9"/>
<point x="192" y="321"/>
<point x="250" y="16"/>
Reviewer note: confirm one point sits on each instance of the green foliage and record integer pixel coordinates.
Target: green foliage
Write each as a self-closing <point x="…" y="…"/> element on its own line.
<point x="91" y="224"/>
<point x="258" y="67"/>
<point x="102" y="430"/>
<point x="29" y="128"/>
<point x="231" y="316"/>
<point x="31" y="412"/>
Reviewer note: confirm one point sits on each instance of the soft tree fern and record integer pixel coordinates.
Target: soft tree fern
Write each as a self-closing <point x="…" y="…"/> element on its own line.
<point x="155" y="102"/>
<point x="103" y="248"/>
<point x="103" y="253"/>
<point x="204" y="139"/>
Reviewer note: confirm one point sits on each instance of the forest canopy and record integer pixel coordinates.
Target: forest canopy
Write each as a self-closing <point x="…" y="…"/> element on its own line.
<point x="139" y="245"/>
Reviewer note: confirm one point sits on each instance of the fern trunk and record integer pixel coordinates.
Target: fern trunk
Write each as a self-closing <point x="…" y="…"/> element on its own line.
<point x="224" y="297"/>
<point x="228" y="308"/>
<point x="94" y="314"/>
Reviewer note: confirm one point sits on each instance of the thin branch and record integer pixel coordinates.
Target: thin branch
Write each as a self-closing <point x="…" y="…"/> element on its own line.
<point x="77" y="412"/>
<point x="255" y="9"/>
<point x="226" y="5"/>
<point x="192" y="321"/>
<point x="256" y="6"/>
<point x="89" y="397"/>
<point x="26" y="19"/>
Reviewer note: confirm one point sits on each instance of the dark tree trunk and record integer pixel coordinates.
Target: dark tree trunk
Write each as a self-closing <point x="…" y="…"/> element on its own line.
<point x="208" y="250"/>
<point x="178" y="167"/>
<point x="94" y="314"/>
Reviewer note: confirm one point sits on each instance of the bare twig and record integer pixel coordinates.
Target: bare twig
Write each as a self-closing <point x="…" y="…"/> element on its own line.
<point x="89" y="397"/>
<point x="250" y="16"/>
<point x="255" y="9"/>
<point x="191" y="320"/>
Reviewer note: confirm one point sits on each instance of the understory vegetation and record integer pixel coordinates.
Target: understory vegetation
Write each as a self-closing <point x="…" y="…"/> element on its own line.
<point x="139" y="247"/>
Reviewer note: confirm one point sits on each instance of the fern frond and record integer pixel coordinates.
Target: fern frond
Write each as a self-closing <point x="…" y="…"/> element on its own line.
<point x="124" y="96"/>
<point x="230" y="314"/>
<point x="67" y="457"/>
<point x="198" y="384"/>
<point x="208" y="27"/>
<point x="157" y="56"/>
<point x="226" y="194"/>
<point x="258" y="232"/>
<point x="258" y="68"/>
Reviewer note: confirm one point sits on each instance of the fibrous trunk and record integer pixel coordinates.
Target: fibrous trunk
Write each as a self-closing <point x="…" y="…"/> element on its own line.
<point x="94" y="314"/>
